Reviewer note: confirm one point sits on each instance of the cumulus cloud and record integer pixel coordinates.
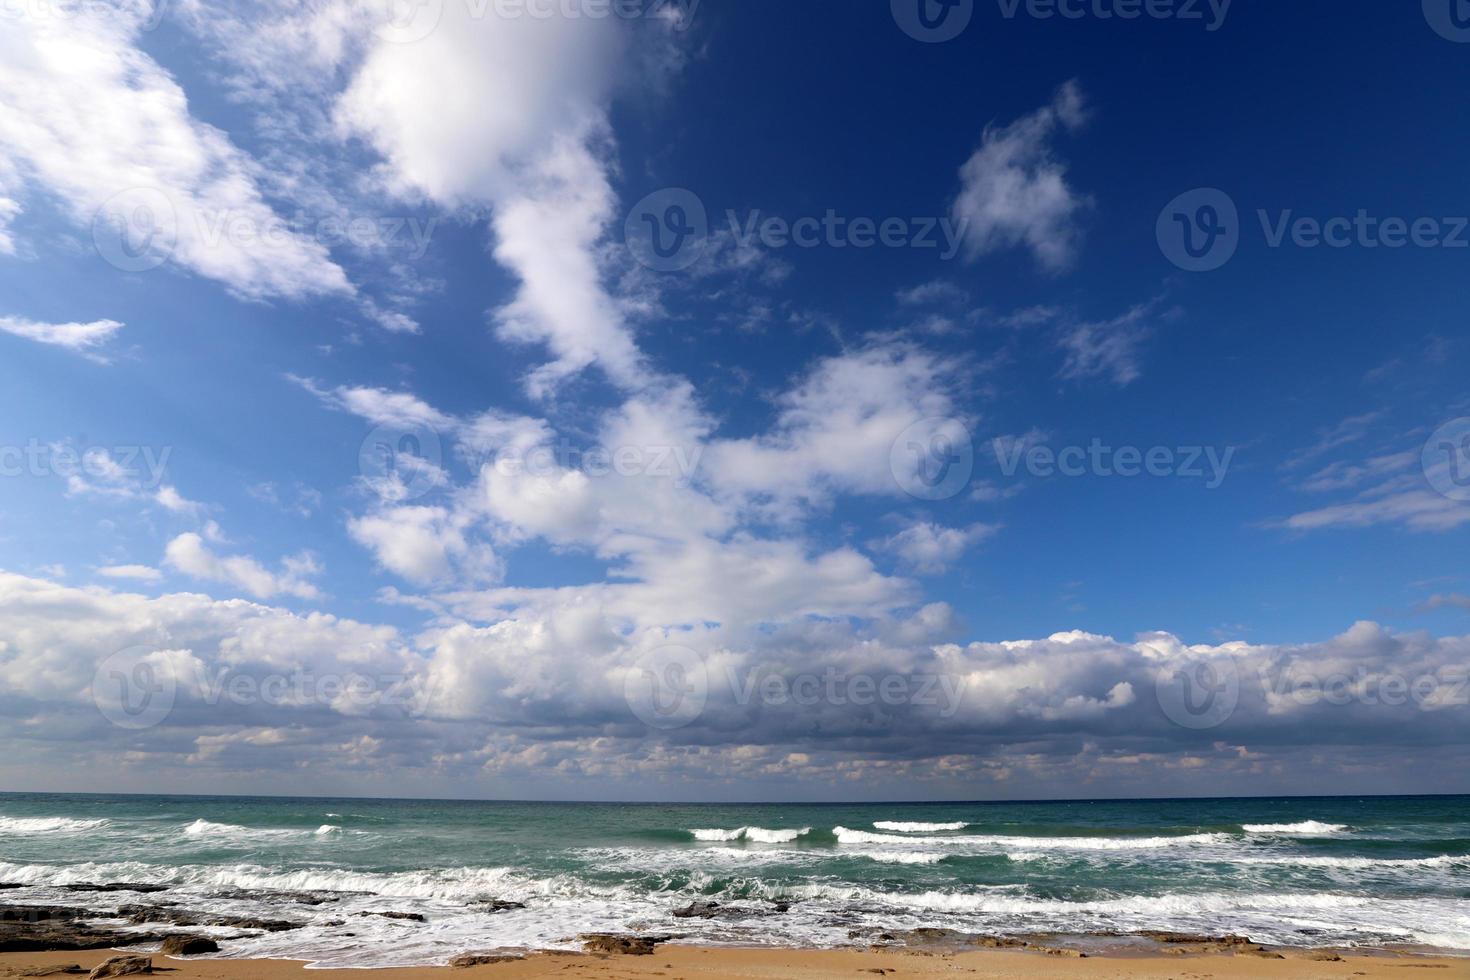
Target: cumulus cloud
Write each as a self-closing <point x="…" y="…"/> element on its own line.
<point x="931" y="549"/>
<point x="1014" y="190"/>
<point x="550" y="686"/>
<point x="188" y="553"/>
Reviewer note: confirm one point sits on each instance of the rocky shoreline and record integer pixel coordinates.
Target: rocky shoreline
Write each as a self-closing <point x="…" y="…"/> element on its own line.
<point x="49" y="927"/>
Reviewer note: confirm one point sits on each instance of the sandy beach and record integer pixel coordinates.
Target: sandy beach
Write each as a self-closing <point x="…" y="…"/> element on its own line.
<point x="778" y="964"/>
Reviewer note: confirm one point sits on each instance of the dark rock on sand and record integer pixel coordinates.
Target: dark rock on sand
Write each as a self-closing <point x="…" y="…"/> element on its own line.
<point x="188" y="946"/>
<point x="406" y="916"/>
<point x="465" y="960"/>
<point x="37" y="928"/>
<point x="999" y="942"/>
<point x="121" y="966"/>
<point x="597" y="942"/>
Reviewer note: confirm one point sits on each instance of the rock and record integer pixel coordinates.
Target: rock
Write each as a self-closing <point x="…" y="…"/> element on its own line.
<point x="621" y="945"/>
<point x="188" y="946"/>
<point x="121" y="966"/>
<point x="406" y="916"/>
<point x="780" y="906"/>
<point x="466" y="960"/>
<point x="247" y="922"/>
<point x="496" y="905"/>
<point x="1195" y="940"/>
<point x="698" y="910"/>
<point x="115" y="887"/>
<point x="998" y="942"/>
<point x="1075" y="954"/>
<point x="37" y="928"/>
<point x="139" y="914"/>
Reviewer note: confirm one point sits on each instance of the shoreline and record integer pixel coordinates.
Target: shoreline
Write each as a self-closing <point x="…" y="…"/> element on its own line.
<point x="729" y="963"/>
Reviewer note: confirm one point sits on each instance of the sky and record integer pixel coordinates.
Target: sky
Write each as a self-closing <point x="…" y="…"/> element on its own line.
<point x="700" y="400"/>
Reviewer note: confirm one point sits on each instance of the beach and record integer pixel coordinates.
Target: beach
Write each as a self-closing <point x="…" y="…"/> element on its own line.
<point x="781" y="964"/>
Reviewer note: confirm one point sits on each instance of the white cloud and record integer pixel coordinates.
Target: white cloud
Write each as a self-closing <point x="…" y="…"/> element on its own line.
<point x="426" y="545"/>
<point x="1109" y="349"/>
<point x="1014" y="191"/>
<point x="189" y="554"/>
<point x="931" y="549"/>
<point x="141" y="573"/>
<point x="836" y="429"/>
<point x="84" y="338"/>
<point x="99" y="118"/>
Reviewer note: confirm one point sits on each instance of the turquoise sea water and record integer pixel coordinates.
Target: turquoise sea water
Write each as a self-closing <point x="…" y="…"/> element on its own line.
<point x="1304" y="872"/>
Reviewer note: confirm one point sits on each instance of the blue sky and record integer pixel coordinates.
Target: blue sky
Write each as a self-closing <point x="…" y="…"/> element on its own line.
<point x="227" y="389"/>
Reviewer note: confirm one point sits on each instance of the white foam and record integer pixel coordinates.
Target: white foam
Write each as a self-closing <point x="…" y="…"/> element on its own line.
<point x="1305" y="827"/>
<point x="911" y="827"/>
<point x="328" y="828"/>
<point x="846" y="836"/>
<point x="1359" y="863"/>
<point x="25" y="826"/>
<point x="760" y="835"/>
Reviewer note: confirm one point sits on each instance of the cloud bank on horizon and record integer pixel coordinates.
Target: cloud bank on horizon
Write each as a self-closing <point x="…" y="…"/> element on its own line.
<point x="595" y="541"/>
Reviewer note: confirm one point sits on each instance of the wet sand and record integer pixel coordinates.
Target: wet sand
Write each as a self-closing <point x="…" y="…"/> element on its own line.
<point x="781" y="964"/>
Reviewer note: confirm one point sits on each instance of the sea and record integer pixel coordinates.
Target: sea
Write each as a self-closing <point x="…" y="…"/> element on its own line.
<point x="1372" y="872"/>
